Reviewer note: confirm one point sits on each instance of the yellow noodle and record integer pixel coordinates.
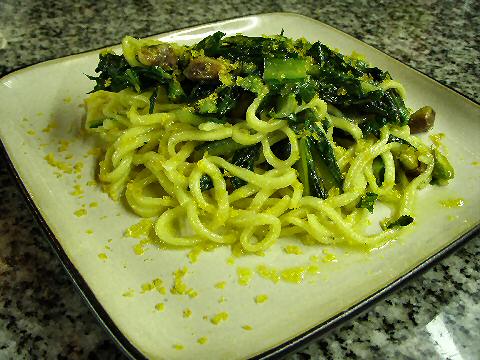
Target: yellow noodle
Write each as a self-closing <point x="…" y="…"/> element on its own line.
<point x="148" y="159"/>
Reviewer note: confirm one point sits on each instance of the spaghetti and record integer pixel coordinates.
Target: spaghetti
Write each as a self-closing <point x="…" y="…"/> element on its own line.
<point x="309" y="165"/>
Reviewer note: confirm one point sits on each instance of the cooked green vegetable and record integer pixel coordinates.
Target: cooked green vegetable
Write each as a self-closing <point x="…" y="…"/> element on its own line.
<point x="223" y="147"/>
<point x="284" y="137"/>
<point x="153" y="99"/>
<point x="408" y="158"/>
<point x="309" y="173"/>
<point x="318" y="168"/>
<point x="285" y="106"/>
<point x="206" y="182"/>
<point x="367" y="201"/>
<point x="442" y="170"/>
<point x="282" y="149"/>
<point x="302" y="166"/>
<point x="215" y="73"/>
<point x="116" y="74"/>
<point x="242" y="156"/>
<point x="219" y="77"/>
<point x="112" y="77"/>
<point x="378" y="168"/>
<point x="392" y="138"/>
<point x="245" y="158"/>
<point x="332" y="175"/>
<point x="175" y="91"/>
<point x="403" y="220"/>
<point x="285" y="69"/>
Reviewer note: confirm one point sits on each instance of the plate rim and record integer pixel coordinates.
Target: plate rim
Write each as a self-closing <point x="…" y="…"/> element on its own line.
<point x="284" y="348"/>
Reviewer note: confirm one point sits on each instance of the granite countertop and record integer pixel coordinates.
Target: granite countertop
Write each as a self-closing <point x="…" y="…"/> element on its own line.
<point x="436" y="315"/>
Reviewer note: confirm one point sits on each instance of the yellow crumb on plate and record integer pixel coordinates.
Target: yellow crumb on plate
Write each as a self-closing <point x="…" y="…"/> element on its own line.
<point x="102" y="256"/>
<point x="194" y="254"/>
<point x="146" y="287"/>
<point x="268" y="273"/>
<point x="218" y="318"/>
<point x="142" y="228"/>
<point x="202" y="340"/>
<point x="158" y="284"/>
<point x="261" y="298"/>
<point x="160" y="307"/>
<point x="329" y="257"/>
<point x="179" y="287"/>
<point x="292" y="249"/>
<point x="221" y="285"/>
<point x="63" y="146"/>
<point x="187" y="313"/>
<point x="129" y="293"/>
<point x="80" y="212"/>
<point x="65" y="167"/>
<point x="247" y="327"/>
<point x="77" y="190"/>
<point x="313" y="269"/>
<point x="78" y="167"/>
<point x="51" y="125"/>
<point x="293" y="274"/>
<point x="244" y="276"/>
<point x="452" y="203"/>
<point x="138" y="249"/>
<point x="96" y="151"/>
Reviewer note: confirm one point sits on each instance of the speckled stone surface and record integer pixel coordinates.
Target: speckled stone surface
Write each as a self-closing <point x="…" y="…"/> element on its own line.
<point x="435" y="316"/>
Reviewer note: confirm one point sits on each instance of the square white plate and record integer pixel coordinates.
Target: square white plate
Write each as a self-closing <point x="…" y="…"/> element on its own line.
<point x="40" y="108"/>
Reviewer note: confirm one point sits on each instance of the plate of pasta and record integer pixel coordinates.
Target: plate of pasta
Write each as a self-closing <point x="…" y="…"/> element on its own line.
<point x="238" y="188"/>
